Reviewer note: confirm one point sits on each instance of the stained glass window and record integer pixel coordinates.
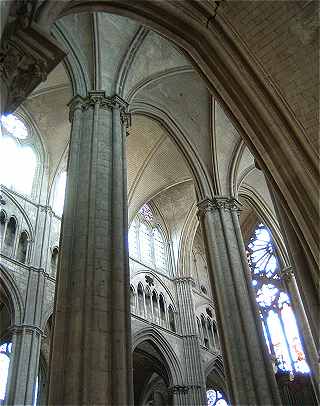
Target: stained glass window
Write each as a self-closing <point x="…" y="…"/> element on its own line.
<point x="278" y="321"/>
<point x="18" y="160"/>
<point x="216" y="398"/>
<point x="146" y="241"/>
<point x="146" y="212"/>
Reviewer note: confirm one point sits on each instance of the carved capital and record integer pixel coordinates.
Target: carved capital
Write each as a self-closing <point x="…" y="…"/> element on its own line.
<point x="186" y="280"/>
<point x="286" y="273"/>
<point x="46" y="209"/>
<point x="25" y="329"/>
<point x="98" y="99"/>
<point x="27" y="55"/>
<point x="178" y="389"/>
<point x="218" y="203"/>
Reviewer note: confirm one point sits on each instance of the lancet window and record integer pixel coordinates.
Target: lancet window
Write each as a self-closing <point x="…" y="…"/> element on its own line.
<point x="147" y="243"/>
<point x="277" y="317"/>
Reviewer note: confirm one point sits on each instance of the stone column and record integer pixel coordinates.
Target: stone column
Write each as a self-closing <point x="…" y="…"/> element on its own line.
<point x="91" y="352"/>
<point x="195" y="380"/>
<point x="26" y="343"/>
<point x="309" y="346"/>
<point x="249" y="373"/>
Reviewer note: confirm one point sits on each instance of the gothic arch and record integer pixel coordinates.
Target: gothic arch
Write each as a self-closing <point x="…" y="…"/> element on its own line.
<point x="214" y="374"/>
<point x="22" y="211"/>
<point x="250" y="97"/>
<point x="201" y="177"/>
<point x="13" y="296"/>
<point x="155" y="338"/>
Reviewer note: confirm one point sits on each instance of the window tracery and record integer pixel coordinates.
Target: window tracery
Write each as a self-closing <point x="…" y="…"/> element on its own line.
<point x="19" y="160"/>
<point x="277" y="317"/>
<point x="146" y="241"/>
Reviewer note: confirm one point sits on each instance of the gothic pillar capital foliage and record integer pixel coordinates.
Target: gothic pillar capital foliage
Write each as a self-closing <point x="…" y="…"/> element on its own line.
<point x="178" y="389"/>
<point x="185" y="279"/>
<point x="286" y="273"/>
<point x="25" y="329"/>
<point x="27" y="55"/>
<point x="99" y="99"/>
<point x="218" y="203"/>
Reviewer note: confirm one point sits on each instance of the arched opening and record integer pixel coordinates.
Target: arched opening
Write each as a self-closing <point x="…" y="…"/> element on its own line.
<point x="6" y="320"/>
<point x="216" y="385"/>
<point x="148" y="303"/>
<point x="151" y="376"/>
<point x="10" y="237"/>
<point x="162" y="311"/>
<point x="3" y="218"/>
<point x="132" y="300"/>
<point x="140" y="301"/>
<point x="172" y="323"/>
<point x="54" y="262"/>
<point x="155" y="306"/>
<point x="22" y="247"/>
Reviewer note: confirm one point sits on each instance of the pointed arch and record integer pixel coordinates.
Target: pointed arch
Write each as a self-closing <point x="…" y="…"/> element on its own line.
<point x="161" y="344"/>
<point x="13" y="295"/>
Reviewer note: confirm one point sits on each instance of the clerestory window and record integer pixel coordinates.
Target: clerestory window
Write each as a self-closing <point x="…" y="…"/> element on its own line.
<point x="18" y="163"/>
<point x="146" y="241"/>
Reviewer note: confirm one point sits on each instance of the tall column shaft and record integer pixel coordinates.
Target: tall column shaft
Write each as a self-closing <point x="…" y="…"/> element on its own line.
<point x="248" y="369"/>
<point x="91" y="349"/>
<point x="26" y="344"/>
<point x="195" y="380"/>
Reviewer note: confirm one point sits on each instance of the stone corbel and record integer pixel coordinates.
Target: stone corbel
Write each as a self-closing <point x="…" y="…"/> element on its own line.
<point x="27" y="56"/>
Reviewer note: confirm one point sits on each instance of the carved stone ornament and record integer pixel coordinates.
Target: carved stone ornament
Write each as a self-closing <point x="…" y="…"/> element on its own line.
<point x="186" y="280"/>
<point x="218" y="203"/>
<point x="25" y="329"/>
<point x="179" y="389"/>
<point x="286" y="273"/>
<point x="98" y="99"/>
<point x="27" y="55"/>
